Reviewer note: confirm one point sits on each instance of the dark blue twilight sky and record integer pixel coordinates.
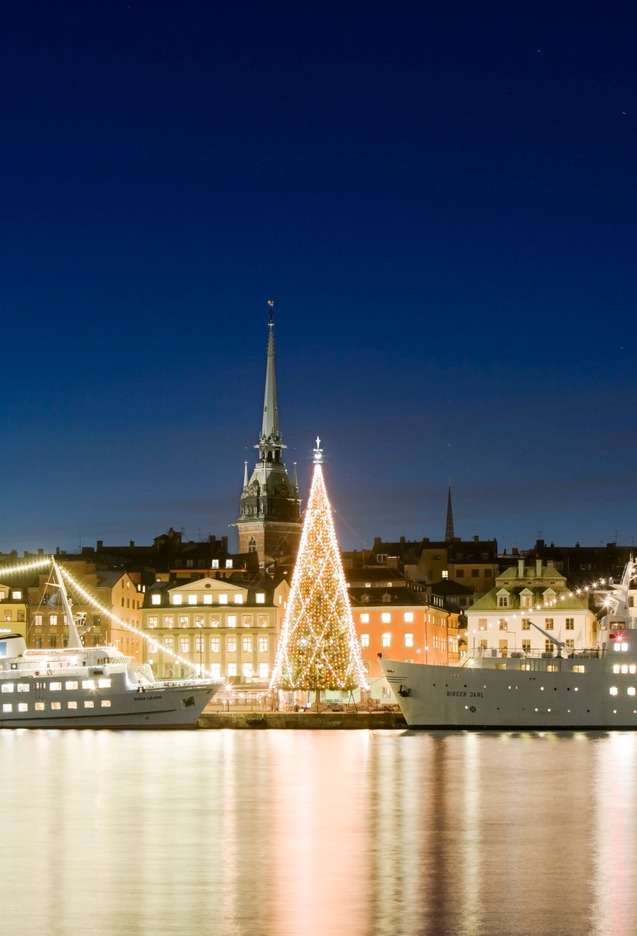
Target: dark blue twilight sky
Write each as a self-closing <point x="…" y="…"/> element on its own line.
<point x="442" y="204"/>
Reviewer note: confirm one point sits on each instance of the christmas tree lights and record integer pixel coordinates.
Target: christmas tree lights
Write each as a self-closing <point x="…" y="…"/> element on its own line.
<point x="318" y="648"/>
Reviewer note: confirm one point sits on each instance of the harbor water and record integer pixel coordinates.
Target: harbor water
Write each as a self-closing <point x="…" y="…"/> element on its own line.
<point x="282" y="833"/>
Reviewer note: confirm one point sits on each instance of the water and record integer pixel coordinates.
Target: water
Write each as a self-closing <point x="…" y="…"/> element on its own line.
<point x="274" y="833"/>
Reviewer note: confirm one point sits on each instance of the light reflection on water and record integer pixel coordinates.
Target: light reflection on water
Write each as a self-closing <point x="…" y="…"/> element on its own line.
<point x="274" y="833"/>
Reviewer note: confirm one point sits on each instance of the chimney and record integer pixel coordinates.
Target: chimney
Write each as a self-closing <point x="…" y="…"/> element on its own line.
<point x="538" y="568"/>
<point x="520" y="568"/>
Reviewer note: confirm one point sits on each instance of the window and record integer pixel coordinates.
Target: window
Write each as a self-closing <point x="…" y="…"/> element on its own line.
<point x="199" y="643"/>
<point x="364" y="640"/>
<point x="548" y="646"/>
<point x="177" y="599"/>
<point x="37" y="620"/>
<point x="246" y="644"/>
<point x="184" y="644"/>
<point x="223" y="598"/>
<point x="262" y="620"/>
<point x="526" y="646"/>
<point x="503" y="601"/>
<point x="475" y="573"/>
<point x="482" y="623"/>
<point x="238" y="598"/>
<point x="155" y="599"/>
<point x="184" y="620"/>
<point x="526" y="624"/>
<point x="548" y="623"/>
<point x="169" y="620"/>
<point x="215" y="643"/>
<point x="169" y="643"/>
<point x="408" y="617"/>
<point x="570" y="623"/>
<point x="207" y="599"/>
<point x="53" y="620"/>
<point x="263" y="644"/>
<point x="247" y="670"/>
<point x="246" y="620"/>
<point x="231" y="620"/>
<point x="199" y="620"/>
<point x="192" y="599"/>
<point x="232" y="669"/>
<point x="386" y="617"/>
<point x="503" y="624"/>
<point x="385" y="640"/>
<point x="153" y="620"/>
<point x="231" y="644"/>
<point x="260" y="597"/>
<point x="459" y="573"/>
<point x="365" y="618"/>
<point x="214" y="564"/>
<point x="215" y="670"/>
<point x="263" y="671"/>
<point x="409" y="640"/>
<point x="445" y="574"/>
<point x="214" y="621"/>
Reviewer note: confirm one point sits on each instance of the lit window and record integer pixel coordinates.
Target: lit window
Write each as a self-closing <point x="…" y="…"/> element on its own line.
<point x="71" y="684"/>
<point x="247" y="670"/>
<point x="207" y="599"/>
<point x="214" y="564"/>
<point x="7" y="707"/>
<point x="228" y="563"/>
<point x="631" y="690"/>
<point x="53" y="620"/>
<point x="192" y="599"/>
<point x="72" y="704"/>
<point x="223" y="598"/>
<point x="88" y="684"/>
<point x="214" y="622"/>
<point x="155" y="599"/>
<point x="37" y="620"/>
<point x="445" y="574"/>
<point x="260" y="598"/>
<point x="231" y="644"/>
<point x="246" y="644"/>
<point x="184" y="620"/>
<point x="55" y="686"/>
<point x="39" y="706"/>
<point x="23" y="707"/>
<point x="231" y="620"/>
<point x="238" y="598"/>
<point x="365" y="618"/>
<point x="88" y="703"/>
<point x="200" y="643"/>
<point x="408" y="617"/>
<point x="385" y="640"/>
<point x="215" y="670"/>
<point x="104" y="683"/>
<point x="177" y="599"/>
<point x="263" y="644"/>
<point x="56" y="705"/>
<point x="263" y="671"/>
<point x="169" y="643"/>
<point x="8" y="687"/>
<point x="215" y="644"/>
<point x="105" y="703"/>
<point x="614" y="690"/>
<point x="409" y="640"/>
<point x="364" y="640"/>
<point x="386" y="617"/>
<point x="23" y="687"/>
<point x="153" y="620"/>
<point x="232" y="669"/>
<point x="184" y="644"/>
<point x="169" y="620"/>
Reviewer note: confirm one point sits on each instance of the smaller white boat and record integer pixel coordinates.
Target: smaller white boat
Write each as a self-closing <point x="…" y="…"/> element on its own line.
<point x="96" y="687"/>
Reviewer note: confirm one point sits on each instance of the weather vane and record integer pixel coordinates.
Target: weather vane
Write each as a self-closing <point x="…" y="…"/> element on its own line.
<point x="318" y="452"/>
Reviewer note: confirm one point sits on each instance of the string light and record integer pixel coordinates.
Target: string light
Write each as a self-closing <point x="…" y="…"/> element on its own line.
<point x="318" y="648"/>
<point x="94" y="603"/>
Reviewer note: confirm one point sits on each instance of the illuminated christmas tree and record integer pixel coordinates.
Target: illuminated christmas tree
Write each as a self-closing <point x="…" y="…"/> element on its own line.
<point x="318" y="648"/>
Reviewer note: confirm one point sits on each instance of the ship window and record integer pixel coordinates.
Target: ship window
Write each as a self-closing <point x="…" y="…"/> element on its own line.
<point x="105" y="703"/>
<point x="72" y="704"/>
<point x="88" y="703"/>
<point x="71" y="684"/>
<point x="578" y="668"/>
<point x="56" y="705"/>
<point x="39" y="706"/>
<point x="631" y="690"/>
<point x="55" y="686"/>
<point x="23" y="707"/>
<point x="7" y="707"/>
<point x="623" y="668"/>
<point x="88" y="684"/>
<point x="8" y="687"/>
<point x="23" y="687"/>
<point x="104" y="683"/>
<point x="631" y="669"/>
<point x="613" y="690"/>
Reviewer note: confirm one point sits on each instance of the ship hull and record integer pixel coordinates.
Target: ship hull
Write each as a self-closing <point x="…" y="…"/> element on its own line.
<point x="465" y="697"/>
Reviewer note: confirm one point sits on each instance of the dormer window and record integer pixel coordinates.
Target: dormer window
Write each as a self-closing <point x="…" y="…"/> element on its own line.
<point x="526" y="599"/>
<point x="386" y="597"/>
<point x="504" y="598"/>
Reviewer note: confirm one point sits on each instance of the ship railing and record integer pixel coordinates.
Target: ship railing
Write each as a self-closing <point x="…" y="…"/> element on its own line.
<point x="502" y="654"/>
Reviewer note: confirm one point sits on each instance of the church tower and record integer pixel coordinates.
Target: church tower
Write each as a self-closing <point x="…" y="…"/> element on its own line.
<point x="270" y="510"/>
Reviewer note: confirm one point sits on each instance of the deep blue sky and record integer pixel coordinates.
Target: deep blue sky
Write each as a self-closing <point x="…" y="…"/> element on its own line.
<point x="442" y="204"/>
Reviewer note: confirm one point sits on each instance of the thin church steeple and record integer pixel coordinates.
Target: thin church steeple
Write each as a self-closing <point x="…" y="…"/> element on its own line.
<point x="270" y="433"/>
<point x="449" y="534"/>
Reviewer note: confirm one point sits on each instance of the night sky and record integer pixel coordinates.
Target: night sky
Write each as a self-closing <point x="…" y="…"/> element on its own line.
<point x="442" y="205"/>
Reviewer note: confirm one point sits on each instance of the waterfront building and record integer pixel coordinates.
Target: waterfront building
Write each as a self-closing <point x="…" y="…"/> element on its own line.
<point x="399" y="619"/>
<point x="226" y="626"/>
<point x="269" y="523"/>
<point x="13" y="610"/>
<point x="526" y="597"/>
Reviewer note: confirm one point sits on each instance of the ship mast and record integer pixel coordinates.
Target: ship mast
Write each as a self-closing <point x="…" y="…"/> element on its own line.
<point x="75" y="641"/>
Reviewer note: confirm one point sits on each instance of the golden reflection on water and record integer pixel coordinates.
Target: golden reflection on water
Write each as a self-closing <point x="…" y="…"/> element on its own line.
<point x="272" y="833"/>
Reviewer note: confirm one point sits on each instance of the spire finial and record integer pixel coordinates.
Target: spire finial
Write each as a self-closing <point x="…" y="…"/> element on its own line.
<point x="449" y="532"/>
<point x="318" y="452"/>
<point x="271" y="308"/>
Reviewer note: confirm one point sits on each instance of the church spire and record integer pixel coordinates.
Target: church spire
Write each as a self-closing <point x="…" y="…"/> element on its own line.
<point x="270" y="432"/>
<point x="269" y="522"/>
<point x="449" y="534"/>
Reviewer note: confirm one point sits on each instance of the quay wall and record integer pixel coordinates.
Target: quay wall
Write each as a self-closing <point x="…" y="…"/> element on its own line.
<point x="304" y="720"/>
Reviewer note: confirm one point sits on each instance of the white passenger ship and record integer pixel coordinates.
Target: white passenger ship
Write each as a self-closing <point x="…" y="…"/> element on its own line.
<point x="592" y="688"/>
<point x="96" y="687"/>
